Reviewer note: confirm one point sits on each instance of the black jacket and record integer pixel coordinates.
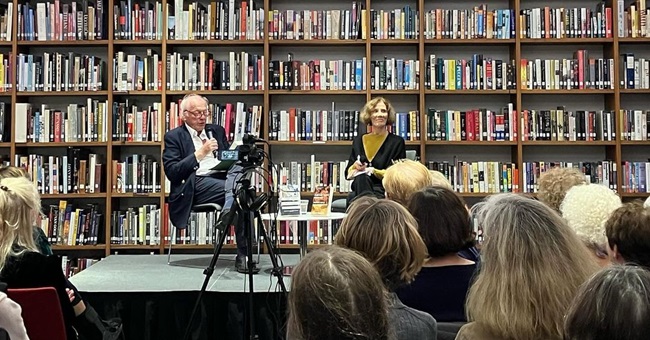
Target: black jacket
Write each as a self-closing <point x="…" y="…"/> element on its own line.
<point x="180" y="168"/>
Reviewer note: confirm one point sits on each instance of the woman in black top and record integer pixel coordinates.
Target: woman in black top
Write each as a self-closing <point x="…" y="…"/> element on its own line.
<point x="441" y="287"/>
<point x="375" y="151"/>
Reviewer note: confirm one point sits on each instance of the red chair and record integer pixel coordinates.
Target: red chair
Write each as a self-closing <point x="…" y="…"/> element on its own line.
<point x="41" y="312"/>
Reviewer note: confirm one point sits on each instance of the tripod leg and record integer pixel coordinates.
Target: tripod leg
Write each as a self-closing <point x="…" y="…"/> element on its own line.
<point x="247" y="224"/>
<point x="277" y="269"/>
<point x="208" y="273"/>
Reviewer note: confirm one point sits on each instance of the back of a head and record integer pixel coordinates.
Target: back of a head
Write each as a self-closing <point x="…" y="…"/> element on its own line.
<point x="439" y="180"/>
<point x="337" y="294"/>
<point x="528" y="249"/>
<point x="628" y="233"/>
<point x="386" y="234"/>
<point x="12" y="172"/>
<point x="404" y="178"/>
<point x="19" y="204"/>
<point x="586" y="209"/>
<point x="443" y="220"/>
<point x="613" y="304"/>
<point x="554" y="184"/>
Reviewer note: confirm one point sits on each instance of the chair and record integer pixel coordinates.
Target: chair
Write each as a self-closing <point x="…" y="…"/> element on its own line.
<point x="341" y="204"/>
<point x="199" y="208"/>
<point x="42" y="313"/>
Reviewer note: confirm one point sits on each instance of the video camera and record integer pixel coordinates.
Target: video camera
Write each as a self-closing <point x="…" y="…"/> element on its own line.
<point x="247" y="154"/>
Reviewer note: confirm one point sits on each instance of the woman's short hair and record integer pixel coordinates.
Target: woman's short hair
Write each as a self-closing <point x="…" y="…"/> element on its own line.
<point x="19" y="205"/>
<point x="628" y="229"/>
<point x="366" y="112"/>
<point x="404" y="178"/>
<point x="443" y="220"/>
<point x="12" y="171"/>
<point x="386" y="234"/>
<point x="613" y="304"/>
<point x="554" y="184"/>
<point x="532" y="266"/>
<point x="337" y="294"/>
<point x="586" y="209"/>
<point x="438" y="179"/>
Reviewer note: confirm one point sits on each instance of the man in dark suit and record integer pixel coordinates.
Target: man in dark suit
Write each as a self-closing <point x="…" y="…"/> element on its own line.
<point x="189" y="155"/>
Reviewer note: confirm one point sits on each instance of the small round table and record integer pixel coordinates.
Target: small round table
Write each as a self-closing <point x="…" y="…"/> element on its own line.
<point x="302" y="228"/>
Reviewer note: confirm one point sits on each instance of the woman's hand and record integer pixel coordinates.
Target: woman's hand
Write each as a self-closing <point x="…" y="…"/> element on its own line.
<point x="70" y="294"/>
<point x="359" y="166"/>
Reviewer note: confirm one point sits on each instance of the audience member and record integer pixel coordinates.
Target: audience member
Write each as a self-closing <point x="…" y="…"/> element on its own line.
<point x="441" y="286"/>
<point x="586" y="209"/>
<point x="614" y="304"/>
<point x="438" y="179"/>
<point x="628" y="234"/>
<point x="337" y="294"/>
<point x="386" y="234"/>
<point x="532" y="266"/>
<point x="22" y="266"/>
<point x="554" y="184"/>
<point x="404" y="178"/>
<point x="374" y="151"/>
<point x="10" y="317"/>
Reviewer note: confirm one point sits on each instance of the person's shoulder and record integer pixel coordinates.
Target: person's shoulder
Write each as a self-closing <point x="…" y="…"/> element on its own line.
<point x="474" y="331"/>
<point x="175" y="132"/>
<point x="392" y="136"/>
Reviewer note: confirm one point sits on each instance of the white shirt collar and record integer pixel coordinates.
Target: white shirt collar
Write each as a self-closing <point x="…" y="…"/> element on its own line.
<point x="194" y="133"/>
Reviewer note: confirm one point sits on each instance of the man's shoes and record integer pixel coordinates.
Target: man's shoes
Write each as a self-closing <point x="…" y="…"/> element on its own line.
<point x="240" y="264"/>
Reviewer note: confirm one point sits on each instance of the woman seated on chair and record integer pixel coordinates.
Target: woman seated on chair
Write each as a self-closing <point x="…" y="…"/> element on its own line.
<point x="21" y="264"/>
<point x="375" y="151"/>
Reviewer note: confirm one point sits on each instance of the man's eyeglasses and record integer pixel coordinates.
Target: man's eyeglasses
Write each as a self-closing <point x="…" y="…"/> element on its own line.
<point x="199" y="113"/>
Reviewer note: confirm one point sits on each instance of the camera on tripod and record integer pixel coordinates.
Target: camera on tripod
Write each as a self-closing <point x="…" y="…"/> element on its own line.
<point x="247" y="154"/>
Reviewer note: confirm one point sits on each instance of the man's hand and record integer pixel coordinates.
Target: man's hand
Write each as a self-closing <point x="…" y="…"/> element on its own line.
<point x="208" y="146"/>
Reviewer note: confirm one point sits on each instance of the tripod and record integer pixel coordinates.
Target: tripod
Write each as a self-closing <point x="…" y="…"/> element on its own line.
<point x="244" y="209"/>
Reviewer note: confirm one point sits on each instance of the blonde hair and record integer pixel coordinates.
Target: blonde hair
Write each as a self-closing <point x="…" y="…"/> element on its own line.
<point x="404" y="178"/>
<point x="19" y="204"/>
<point x="554" y="184"/>
<point x="12" y="172"/>
<point x="386" y="234"/>
<point x="586" y="209"/>
<point x="337" y="294"/>
<point x="438" y="179"/>
<point x="532" y="266"/>
<point x="366" y="112"/>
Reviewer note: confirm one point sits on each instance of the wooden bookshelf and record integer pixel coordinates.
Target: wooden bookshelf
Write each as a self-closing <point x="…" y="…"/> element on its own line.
<point x="275" y="49"/>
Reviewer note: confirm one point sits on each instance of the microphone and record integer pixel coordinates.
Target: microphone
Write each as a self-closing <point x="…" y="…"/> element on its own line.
<point x="214" y="152"/>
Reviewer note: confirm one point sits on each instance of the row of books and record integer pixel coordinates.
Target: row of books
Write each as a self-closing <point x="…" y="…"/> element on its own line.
<point x="557" y="23"/>
<point x="579" y="72"/>
<point x="76" y="123"/>
<point x="59" y="21"/>
<point x="341" y="24"/>
<point x="472" y="125"/>
<point x="73" y="267"/>
<point x="201" y="71"/>
<point x="72" y="224"/>
<point x="142" y="225"/>
<point x="296" y="124"/>
<point x="475" y="23"/>
<point x="394" y="74"/>
<point x="600" y="172"/>
<point x="477" y="73"/>
<point x="138" y="174"/>
<point x="563" y="125"/>
<point x="6" y="21"/>
<point x="401" y="23"/>
<point x="138" y="21"/>
<point x="318" y="232"/>
<point x="317" y="74"/>
<point x="137" y="73"/>
<point x="635" y="73"/>
<point x="634" y="124"/>
<point x="59" y="72"/>
<point x="633" y="20"/>
<point x="77" y="171"/>
<point x="479" y="176"/>
<point x="310" y="175"/>
<point x="221" y="20"/>
<point x="134" y="124"/>
<point x="636" y="177"/>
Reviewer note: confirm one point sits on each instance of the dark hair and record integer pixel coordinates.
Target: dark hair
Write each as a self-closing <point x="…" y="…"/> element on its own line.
<point x="613" y="304"/>
<point x="628" y="228"/>
<point x="443" y="220"/>
<point x="337" y="294"/>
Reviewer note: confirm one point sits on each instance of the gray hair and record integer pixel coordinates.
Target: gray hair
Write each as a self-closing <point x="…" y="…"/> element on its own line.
<point x="185" y="102"/>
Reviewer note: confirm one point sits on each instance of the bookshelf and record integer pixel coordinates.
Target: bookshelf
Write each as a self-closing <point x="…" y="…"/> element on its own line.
<point x="418" y="96"/>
